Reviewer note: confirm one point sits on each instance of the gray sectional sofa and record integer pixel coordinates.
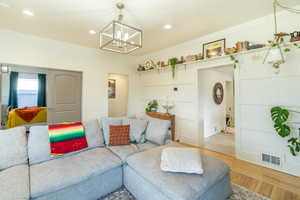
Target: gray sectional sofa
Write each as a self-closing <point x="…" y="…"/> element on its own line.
<point x="100" y="169"/>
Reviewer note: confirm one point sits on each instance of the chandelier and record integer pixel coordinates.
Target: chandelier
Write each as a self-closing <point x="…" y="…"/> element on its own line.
<point x="275" y="54"/>
<point x="119" y="37"/>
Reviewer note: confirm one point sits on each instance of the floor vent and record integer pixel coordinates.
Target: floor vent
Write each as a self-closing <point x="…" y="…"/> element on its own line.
<point x="275" y="160"/>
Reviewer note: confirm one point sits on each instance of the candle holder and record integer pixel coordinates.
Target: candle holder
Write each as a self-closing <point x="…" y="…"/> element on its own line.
<point x="167" y="108"/>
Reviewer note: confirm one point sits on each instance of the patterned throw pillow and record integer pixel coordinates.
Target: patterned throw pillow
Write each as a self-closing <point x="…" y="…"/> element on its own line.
<point x="119" y="135"/>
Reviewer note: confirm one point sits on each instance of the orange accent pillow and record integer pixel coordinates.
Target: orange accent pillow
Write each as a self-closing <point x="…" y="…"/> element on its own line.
<point x="119" y="135"/>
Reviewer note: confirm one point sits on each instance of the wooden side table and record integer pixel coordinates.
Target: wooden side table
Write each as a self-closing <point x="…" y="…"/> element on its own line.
<point x="165" y="116"/>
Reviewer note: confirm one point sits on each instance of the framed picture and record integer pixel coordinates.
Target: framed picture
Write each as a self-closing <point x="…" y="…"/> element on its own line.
<point x="111" y="88"/>
<point x="214" y="49"/>
<point x="218" y="93"/>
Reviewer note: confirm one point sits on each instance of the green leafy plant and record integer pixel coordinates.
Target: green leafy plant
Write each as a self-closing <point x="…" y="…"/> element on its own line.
<point x="152" y="106"/>
<point x="173" y="62"/>
<point x="280" y="118"/>
<point x="279" y="115"/>
<point x="234" y="59"/>
<point x="296" y="45"/>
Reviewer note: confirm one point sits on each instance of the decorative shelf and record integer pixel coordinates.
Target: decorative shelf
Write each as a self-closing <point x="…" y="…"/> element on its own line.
<point x="288" y="44"/>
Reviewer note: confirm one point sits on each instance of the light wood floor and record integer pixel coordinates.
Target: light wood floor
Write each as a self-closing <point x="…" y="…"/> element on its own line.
<point x="267" y="182"/>
<point x="221" y="142"/>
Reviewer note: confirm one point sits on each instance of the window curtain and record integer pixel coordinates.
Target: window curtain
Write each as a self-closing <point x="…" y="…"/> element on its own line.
<point x="13" y="86"/>
<point x="41" y="99"/>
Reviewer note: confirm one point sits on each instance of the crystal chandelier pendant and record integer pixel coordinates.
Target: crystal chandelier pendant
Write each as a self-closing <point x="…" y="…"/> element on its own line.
<point x="119" y="37"/>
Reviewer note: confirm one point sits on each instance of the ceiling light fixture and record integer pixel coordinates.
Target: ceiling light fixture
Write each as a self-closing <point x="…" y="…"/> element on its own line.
<point x="28" y="12"/>
<point x="92" y="32"/>
<point x="167" y="26"/>
<point x="275" y="54"/>
<point x="119" y="37"/>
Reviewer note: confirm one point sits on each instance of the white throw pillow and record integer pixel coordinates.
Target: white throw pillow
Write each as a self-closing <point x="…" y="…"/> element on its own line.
<point x="13" y="147"/>
<point x="137" y="129"/>
<point x="178" y="159"/>
<point x="157" y="131"/>
<point x="105" y="123"/>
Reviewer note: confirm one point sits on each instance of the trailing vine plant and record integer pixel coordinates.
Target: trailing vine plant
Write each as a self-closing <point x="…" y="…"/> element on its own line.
<point x="234" y="59"/>
<point x="173" y="62"/>
<point x="280" y="42"/>
<point x="280" y="118"/>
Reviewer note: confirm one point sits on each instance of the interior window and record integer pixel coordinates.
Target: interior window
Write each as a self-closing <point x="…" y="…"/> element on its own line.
<point x="27" y="92"/>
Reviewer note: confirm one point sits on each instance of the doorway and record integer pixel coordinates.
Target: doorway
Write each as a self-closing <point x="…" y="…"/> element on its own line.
<point x="117" y="95"/>
<point x="216" y="103"/>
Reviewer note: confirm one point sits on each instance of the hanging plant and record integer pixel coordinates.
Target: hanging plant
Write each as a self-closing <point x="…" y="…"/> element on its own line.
<point x="173" y="62"/>
<point x="235" y="60"/>
<point x="280" y="118"/>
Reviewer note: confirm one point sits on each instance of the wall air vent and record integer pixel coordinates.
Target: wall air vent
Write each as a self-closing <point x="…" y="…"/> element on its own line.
<point x="275" y="160"/>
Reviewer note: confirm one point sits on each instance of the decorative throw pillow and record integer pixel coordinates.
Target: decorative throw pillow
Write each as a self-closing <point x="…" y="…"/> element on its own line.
<point x="93" y="133"/>
<point x="66" y="138"/>
<point x="119" y="135"/>
<point x="137" y="129"/>
<point x="13" y="150"/>
<point x="157" y="131"/>
<point x="105" y="123"/>
<point x="178" y="159"/>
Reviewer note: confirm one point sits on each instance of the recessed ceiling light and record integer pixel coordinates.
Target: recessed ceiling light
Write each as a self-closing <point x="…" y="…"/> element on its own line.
<point x="28" y="12"/>
<point x="167" y="26"/>
<point x="92" y="32"/>
<point x="4" y="5"/>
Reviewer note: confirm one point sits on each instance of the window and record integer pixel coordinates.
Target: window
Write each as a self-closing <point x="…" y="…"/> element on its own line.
<point x="27" y="92"/>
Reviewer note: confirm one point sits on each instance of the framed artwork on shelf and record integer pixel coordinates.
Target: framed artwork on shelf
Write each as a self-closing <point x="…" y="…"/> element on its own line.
<point x="214" y="49"/>
<point x="111" y="88"/>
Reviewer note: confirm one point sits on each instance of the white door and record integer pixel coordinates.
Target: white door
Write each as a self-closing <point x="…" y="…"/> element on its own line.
<point x="64" y="96"/>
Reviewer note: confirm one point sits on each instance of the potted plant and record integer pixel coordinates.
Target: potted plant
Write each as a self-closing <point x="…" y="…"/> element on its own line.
<point x="152" y="106"/>
<point x="280" y="118"/>
<point x="173" y="62"/>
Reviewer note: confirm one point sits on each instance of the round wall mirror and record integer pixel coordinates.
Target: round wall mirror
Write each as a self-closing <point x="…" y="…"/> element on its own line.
<point x="218" y="93"/>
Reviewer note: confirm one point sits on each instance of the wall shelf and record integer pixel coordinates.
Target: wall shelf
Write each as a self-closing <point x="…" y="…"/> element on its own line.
<point x="288" y="44"/>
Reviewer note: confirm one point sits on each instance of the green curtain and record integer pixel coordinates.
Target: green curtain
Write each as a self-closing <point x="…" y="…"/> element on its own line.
<point x="41" y="100"/>
<point x="13" y="86"/>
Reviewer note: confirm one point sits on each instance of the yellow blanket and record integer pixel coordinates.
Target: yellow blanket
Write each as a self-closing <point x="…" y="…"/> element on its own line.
<point x="15" y="120"/>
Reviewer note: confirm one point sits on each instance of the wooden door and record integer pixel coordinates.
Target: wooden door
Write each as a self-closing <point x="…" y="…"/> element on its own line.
<point x="64" y="90"/>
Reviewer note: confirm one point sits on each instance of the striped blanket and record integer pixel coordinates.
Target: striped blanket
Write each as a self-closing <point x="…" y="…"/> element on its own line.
<point x="66" y="138"/>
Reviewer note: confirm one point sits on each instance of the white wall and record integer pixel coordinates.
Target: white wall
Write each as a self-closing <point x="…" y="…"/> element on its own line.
<point x="22" y="49"/>
<point x="257" y="90"/>
<point x="229" y="93"/>
<point x="117" y="107"/>
<point x="4" y="88"/>
<point x="212" y="114"/>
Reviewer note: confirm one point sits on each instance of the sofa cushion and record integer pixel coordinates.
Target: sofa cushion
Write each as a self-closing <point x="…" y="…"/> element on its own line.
<point x="60" y="173"/>
<point x="105" y="123"/>
<point x="147" y="165"/>
<point x="137" y="129"/>
<point x="157" y="131"/>
<point x="14" y="183"/>
<point x="146" y="146"/>
<point x="123" y="152"/>
<point x="39" y="145"/>
<point x="13" y="147"/>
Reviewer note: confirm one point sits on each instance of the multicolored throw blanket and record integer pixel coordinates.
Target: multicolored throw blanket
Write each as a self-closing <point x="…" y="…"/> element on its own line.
<point x="66" y="138"/>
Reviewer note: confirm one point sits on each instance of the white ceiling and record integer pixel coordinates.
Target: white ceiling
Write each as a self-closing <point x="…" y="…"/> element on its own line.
<point x="70" y="20"/>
